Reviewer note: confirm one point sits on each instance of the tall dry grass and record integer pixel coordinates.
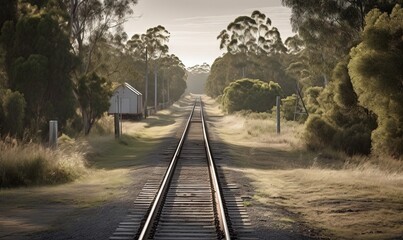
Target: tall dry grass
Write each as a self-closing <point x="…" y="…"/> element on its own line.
<point x="34" y="164"/>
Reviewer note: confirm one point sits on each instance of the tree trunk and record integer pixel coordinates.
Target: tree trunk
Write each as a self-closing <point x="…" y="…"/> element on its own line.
<point x="86" y="121"/>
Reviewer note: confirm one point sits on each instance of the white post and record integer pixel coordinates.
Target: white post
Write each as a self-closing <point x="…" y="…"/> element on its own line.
<point x="53" y="134"/>
<point x="278" y="114"/>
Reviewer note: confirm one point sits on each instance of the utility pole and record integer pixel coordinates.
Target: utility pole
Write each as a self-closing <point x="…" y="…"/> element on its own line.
<point x="155" y="89"/>
<point x="156" y="82"/>
<point x="163" y="89"/>
<point x="146" y="90"/>
<point x="278" y="114"/>
<point x="168" y="91"/>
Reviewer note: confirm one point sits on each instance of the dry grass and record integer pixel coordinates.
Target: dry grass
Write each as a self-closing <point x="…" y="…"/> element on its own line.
<point x="346" y="198"/>
<point x="33" y="164"/>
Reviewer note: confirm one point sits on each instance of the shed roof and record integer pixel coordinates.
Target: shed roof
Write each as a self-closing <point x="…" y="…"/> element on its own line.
<point x="131" y="88"/>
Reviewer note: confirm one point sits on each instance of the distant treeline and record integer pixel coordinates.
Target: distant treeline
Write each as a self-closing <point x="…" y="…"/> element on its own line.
<point x="197" y="77"/>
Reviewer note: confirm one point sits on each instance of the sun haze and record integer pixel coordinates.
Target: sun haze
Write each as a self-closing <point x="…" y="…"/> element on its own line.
<point x="195" y="25"/>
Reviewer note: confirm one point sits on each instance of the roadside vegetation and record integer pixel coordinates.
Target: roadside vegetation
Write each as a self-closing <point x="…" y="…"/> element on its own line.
<point x="337" y="166"/>
<point x="337" y="195"/>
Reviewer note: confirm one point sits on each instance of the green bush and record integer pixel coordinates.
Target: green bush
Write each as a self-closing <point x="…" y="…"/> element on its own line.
<point x="288" y="107"/>
<point x="250" y="94"/>
<point x="376" y="72"/>
<point x="12" y="113"/>
<point x="353" y="140"/>
<point x="339" y="110"/>
<point x="318" y="133"/>
<point x="311" y="99"/>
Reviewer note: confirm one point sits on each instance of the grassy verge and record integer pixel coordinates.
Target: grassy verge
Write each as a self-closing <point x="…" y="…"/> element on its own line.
<point x="33" y="164"/>
<point x="346" y="198"/>
<point x="115" y="169"/>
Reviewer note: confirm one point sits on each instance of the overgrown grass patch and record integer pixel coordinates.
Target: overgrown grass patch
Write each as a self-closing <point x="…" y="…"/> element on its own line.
<point x="34" y="164"/>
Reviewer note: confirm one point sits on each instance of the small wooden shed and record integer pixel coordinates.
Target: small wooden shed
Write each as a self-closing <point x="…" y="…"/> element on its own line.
<point x="127" y="101"/>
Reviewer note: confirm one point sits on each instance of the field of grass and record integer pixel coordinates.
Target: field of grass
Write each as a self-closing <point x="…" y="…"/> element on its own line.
<point x="342" y="197"/>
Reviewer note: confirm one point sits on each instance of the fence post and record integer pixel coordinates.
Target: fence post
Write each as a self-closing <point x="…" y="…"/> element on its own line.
<point x="53" y="134"/>
<point x="278" y="114"/>
<point x="118" y="129"/>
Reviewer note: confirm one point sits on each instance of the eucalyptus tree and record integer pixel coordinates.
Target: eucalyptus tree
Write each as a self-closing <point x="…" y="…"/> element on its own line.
<point x="150" y="46"/>
<point x="39" y="66"/>
<point x="251" y="35"/>
<point x="329" y="28"/>
<point x="88" y="24"/>
<point x="175" y="73"/>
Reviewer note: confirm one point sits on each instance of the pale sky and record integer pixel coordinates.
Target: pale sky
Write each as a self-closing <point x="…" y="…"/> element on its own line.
<point x="195" y="24"/>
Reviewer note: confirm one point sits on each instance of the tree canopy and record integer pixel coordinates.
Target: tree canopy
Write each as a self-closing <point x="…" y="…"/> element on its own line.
<point x="254" y="50"/>
<point x="39" y="67"/>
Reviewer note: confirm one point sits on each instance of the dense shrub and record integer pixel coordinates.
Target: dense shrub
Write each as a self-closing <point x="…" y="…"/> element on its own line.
<point x="288" y="107"/>
<point x="376" y="72"/>
<point x="12" y="112"/>
<point x="311" y="99"/>
<point x="12" y="108"/>
<point x="341" y="124"/>
<point x="318" y="133"/>
<point x="250" y="94"/>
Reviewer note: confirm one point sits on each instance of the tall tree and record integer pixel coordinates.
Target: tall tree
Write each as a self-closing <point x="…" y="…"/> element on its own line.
<point x="254" y="49"/>
<point x="150" y="46"/>
<point x="39" y="67"/>
<point x="94" y="93"/>
<point x="250" y="35"/>
<point x="329" y="28"/>
<point x="174" y="71"/>
<point x="89" y="22"/>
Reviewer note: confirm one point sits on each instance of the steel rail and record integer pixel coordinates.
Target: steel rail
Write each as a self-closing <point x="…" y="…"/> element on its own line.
<point x="164" y="185"/>
<point x="214" y="178"/>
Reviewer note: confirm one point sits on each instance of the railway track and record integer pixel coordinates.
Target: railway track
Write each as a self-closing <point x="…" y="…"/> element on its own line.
<point x="188" y="203"/>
